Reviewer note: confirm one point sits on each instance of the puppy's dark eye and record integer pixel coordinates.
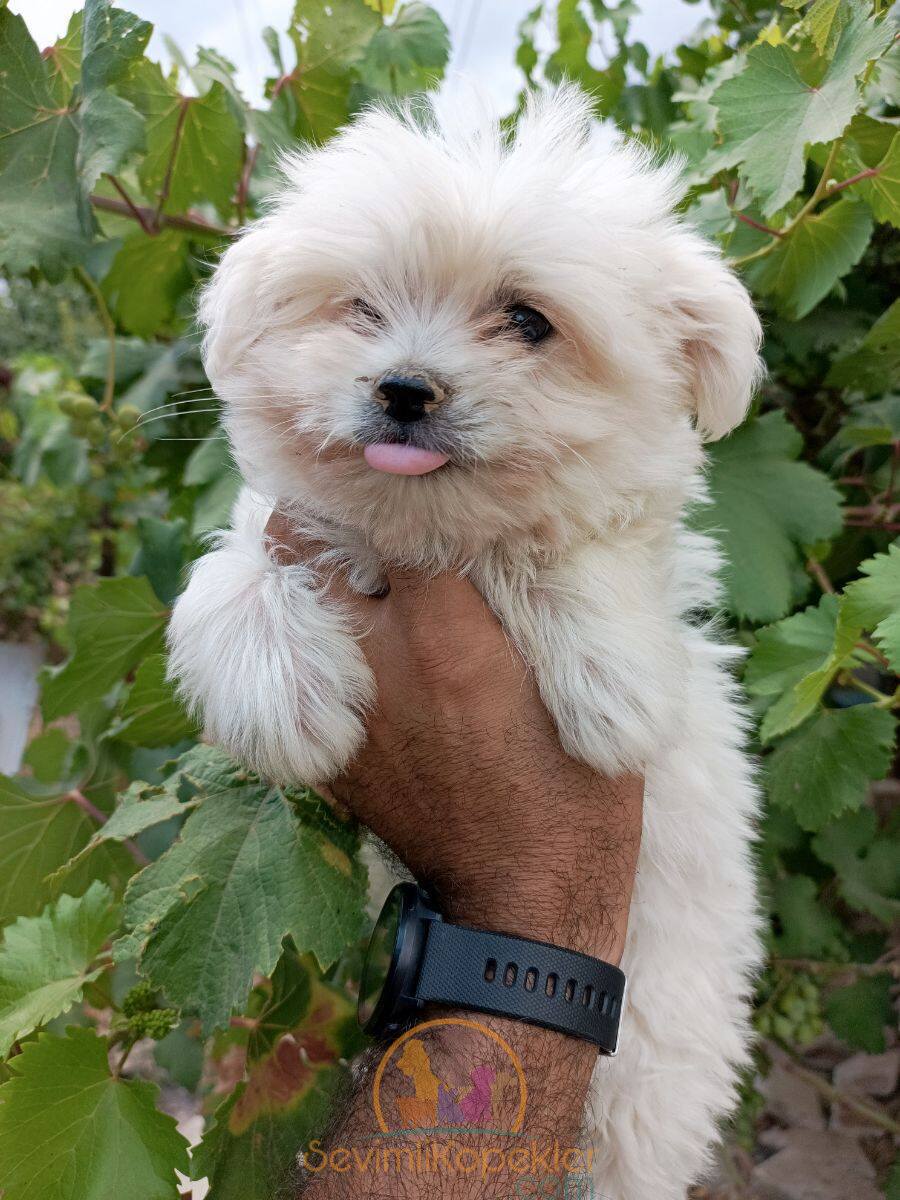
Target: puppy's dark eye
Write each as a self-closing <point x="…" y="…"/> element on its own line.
<point x="364" y="309"/>
<point x="528" y="323"/>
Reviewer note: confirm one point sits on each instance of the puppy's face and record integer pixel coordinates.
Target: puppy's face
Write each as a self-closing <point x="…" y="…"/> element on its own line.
<point x="444" y="340"/>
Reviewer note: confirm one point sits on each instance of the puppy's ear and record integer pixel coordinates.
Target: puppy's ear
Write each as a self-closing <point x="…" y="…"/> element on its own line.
<point x="719" y="335"/>
<point x="229" y="309"/>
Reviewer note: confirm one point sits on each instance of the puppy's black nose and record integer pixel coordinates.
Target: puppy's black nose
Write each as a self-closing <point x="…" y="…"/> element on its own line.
<point x="406" y="398"/>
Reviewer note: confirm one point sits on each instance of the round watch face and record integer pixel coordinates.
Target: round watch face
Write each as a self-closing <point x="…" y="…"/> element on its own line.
<point x="380" y="956"/>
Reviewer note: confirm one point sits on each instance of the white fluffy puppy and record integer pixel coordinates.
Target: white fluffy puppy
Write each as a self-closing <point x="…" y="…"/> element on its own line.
<point x="453" y="349"/>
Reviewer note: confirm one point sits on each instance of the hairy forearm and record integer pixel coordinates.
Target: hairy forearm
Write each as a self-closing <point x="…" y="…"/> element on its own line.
<point x="539" y="1079"/>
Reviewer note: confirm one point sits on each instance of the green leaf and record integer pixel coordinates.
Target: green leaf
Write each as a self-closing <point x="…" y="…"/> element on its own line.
<point x="114" y="624"/>
<point x="329" y="43"/>
<point x="766" y="506"/>
<point x="882" y="192"/>
<point x="795" y="660"/>
<point x="823" y="768"/>
<point x="209" y="460"/>
<point x="63" y="60"/>
<point x="825" y="20"/>
<point x="251" y="1147"/>
<point x="69" y="1130"/>
<point x="110" y="128"/>
<point x="140" y="807"/>
<point x="409" y="55"/>
<point x="571" y="59"/>
<point x="874" y="423"/>
<point x="807" y="929"/>
<point x="44" y="220"/>
<point x="806" y="264"/>
<point x="874" y="602"/>
<point x="45" y="961"/>
<point x="146" y="280"/>
<point x="194" y="143"/>
<point x="38" y="833"/>
<point x="874" y="366"/>
<point x="152" y="715"/>
<point x="770" y="113"/>
<point x="859" y="1013"/>
<point x="867" y="863"/>
<point x="247" y="849"/>
<point x="160" y="555"/>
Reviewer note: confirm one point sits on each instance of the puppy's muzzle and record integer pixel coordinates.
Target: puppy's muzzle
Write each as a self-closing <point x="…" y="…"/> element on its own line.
<point x="408" y="397"/>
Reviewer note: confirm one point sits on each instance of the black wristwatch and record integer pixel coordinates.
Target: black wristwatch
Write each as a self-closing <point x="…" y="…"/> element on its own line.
<point x="415" y="958"/>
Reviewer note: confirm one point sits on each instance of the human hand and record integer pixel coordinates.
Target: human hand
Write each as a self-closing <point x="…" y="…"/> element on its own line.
<point x="463" y="776"/>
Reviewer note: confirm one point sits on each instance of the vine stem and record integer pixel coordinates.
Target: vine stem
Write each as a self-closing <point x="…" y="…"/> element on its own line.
<point x="133" y="209"/>
<point x="87" y="806"/>
<point x="819" y="193"/>
<point x="189" y="222"/>
<point x="109" y="325"/>
<point x="833" y="1094"/>
<point x="818" y="967"/>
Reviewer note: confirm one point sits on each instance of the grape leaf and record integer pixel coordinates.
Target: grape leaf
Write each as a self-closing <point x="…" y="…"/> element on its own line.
<point x="409" y="55"/>
<point x="866" y="863"/>
<point x="874" y="602"/>
<point x="152" y="715"/>
<point x="194" y="143"/>
<point x="114" y="625"/>
<point x="44" y="220"/>
<point x="160" y="555"/>
<point x="38" y="833"/>
<point x="330" y="44"/>
<point x="250" y="1151"/>
<point x="572" y="59"/>
<point x="770" y="112"/>
<point x="807" y="930"/>
<point x="251" y="1147"/>
<point x="825" y="20"/>
<point x="765" y="506"/>
<point x="807" y="262"/>
<point x="63" y="60"/>
<point x="140" y="807"/>
<point x="146" y="280"/>
<point x="45" y="961"/>
<point x="823" y="768"/>
<point x="69" y="1129"/>
<point x="882" y="191"/>
<point x="246" y="872"/>
<point x="874" y="365"/>
<point x="874" y="423"/>
<point x="110" y="128"/>
<point x="859" y="1013"/>
<point x="795" y="660"/>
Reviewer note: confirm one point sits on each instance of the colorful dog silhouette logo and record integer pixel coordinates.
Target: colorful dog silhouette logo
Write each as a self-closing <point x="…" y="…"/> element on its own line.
<point x="428" y="1101"/>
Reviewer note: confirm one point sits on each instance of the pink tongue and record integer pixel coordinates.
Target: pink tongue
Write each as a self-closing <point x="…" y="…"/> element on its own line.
<point x="403" y="460"/>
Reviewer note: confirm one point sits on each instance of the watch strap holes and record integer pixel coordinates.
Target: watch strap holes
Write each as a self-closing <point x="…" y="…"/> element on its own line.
<point x="550" y="985"/>
<point x="587" y="994"/>
<point x="510" y="974"/>
<point x="570" y="991"/>
<point x="531" y="978"/>
<point x="490" y="970"/>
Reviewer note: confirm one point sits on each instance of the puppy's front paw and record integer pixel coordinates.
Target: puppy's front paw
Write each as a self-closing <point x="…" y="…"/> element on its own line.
<point x="269" y="665"/>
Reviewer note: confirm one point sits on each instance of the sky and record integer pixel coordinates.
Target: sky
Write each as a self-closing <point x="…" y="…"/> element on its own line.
<point x="483" y="32"/>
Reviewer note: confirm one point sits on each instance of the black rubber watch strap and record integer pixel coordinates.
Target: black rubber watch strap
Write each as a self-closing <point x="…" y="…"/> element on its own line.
<point x="529" y="981"/>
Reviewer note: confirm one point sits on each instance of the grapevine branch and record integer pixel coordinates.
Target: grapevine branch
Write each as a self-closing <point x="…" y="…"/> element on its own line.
<point x="188" y="222"/>
<point x="834" y="1095"/>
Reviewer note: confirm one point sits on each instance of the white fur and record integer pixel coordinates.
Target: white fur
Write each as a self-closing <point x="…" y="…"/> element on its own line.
<point x="571" y="465"/>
